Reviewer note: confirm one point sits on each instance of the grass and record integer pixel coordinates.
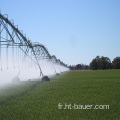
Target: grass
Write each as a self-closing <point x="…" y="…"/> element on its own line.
<point x="39" y="101"/>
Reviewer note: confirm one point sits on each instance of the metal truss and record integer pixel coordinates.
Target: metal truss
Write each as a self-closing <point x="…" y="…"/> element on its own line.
<point x="13" y="38"/>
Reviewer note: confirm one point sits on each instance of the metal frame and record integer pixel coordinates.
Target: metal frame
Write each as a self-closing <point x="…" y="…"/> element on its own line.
<point x="15" y="39"/>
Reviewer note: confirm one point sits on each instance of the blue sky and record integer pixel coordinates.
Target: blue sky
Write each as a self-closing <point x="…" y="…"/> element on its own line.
<point x="75" y="31"/>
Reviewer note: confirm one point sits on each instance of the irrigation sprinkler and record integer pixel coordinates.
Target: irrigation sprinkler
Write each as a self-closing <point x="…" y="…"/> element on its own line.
<point x="19" y="48"/>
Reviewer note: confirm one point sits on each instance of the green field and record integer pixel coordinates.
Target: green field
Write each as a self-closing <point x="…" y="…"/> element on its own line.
<point x="39" y="101"/>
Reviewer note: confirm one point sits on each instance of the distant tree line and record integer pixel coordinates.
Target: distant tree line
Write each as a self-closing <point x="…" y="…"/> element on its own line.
<point x="102" y="63"/>
<point x="79" y="67"/>
<point x="99" y="63"/>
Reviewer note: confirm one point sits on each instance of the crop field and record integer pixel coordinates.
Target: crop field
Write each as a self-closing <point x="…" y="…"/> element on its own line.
<point x="75" y="95"/>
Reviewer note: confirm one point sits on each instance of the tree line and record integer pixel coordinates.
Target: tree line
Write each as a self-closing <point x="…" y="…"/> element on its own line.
<point x="79" y="67"/>
<point x="99" y="63"/>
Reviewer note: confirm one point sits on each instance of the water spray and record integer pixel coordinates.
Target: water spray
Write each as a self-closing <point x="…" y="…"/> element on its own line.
<point x="18" y="47"/>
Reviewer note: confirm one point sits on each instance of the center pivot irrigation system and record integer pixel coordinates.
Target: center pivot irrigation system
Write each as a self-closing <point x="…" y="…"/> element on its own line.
<point x="15" y="44"/>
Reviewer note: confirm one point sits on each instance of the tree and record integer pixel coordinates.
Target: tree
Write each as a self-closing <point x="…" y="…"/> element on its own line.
<point x="105" y="63"/>
<point x="78" y="66"/>
<point x="93" y="65"/>
<point x="71" y="68"/>
<point x="116" y="63"/>
<point x="100" y="63"/>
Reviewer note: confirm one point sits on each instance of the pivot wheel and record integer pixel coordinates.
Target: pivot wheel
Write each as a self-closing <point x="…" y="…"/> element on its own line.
<point x="45" y="79"/>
